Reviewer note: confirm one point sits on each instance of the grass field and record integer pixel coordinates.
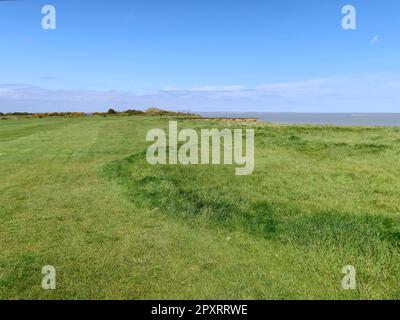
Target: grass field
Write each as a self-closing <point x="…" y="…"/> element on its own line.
<point x="78" y="194"/>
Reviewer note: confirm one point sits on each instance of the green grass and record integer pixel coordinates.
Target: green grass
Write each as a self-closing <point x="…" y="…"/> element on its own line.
<point x="78" y="194"/>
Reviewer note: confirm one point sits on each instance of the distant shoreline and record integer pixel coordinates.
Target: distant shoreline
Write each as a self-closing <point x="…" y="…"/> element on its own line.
<point x="283" y="118"/>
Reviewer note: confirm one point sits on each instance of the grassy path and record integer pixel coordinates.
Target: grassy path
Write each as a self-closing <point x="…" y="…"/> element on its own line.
<point x="73" y="196"/>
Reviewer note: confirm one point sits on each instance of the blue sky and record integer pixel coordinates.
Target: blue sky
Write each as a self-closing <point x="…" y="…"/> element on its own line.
<point x="220" y="55"/>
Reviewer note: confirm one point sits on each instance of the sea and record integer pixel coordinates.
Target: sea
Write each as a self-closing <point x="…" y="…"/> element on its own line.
<point x="340" y="119"/>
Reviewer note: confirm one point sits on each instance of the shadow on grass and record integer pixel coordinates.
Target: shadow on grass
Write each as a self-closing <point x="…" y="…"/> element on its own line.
<point x="208" y="194"/>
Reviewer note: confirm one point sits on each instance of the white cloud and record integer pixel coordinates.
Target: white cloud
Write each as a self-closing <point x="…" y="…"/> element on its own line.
<point x="354" y="93"/>
<point x="375" y="40"/>
<point x="207" y="89"/>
